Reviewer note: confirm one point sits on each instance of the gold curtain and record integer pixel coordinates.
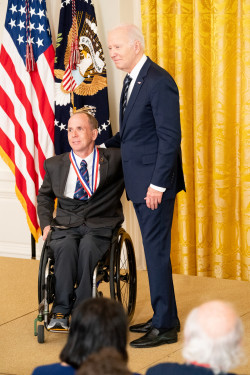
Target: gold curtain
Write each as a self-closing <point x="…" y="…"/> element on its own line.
<point x="205" y="46"/>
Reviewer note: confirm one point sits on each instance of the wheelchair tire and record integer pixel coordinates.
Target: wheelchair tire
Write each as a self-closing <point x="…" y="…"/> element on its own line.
<point x="123" y="281"/>
<point x="40" y="334"/>
<point x="41" y="273"/>
<point x="46" y="277"/>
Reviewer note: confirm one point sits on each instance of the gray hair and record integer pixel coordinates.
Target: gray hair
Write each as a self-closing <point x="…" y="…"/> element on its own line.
<point x="134" y="33"/>
<point x="220" y="353"/>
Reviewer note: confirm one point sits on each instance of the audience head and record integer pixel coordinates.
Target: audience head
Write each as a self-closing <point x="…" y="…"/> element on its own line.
<point x="213" y="336"/>
<point x="107" y="361"/>
<point x="96" y="323"/>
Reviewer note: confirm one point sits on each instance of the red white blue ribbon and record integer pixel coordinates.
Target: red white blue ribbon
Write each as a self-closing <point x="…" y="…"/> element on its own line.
<point x="95" y="167"/>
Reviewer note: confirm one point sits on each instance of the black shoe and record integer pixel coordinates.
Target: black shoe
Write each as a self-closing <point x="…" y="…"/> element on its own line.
<point x="155" y="338"/>
<point x="145" y="327"/>
<point x="141" y="327"/>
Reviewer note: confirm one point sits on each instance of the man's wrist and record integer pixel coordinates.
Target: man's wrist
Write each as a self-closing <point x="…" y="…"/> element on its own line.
<point x="158" y="188"/>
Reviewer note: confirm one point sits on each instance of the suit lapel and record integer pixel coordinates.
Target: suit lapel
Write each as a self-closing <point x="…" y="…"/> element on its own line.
<point x="64" y="172"/>
<point x="103" y="162"/>
<point x="136" y="89"/>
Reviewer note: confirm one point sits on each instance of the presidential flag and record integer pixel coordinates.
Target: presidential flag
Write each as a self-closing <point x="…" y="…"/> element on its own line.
<point x="27" y="99"/>
<point x="80" y="71"/>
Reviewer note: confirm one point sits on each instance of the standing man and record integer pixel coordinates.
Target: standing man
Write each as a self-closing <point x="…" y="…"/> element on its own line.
<point x="88" y="184"/>
<point x="149" y="138"/>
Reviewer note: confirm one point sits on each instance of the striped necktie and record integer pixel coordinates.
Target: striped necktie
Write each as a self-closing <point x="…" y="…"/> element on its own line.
<point x="80" y="192"/>
<point x="126" y="84"/>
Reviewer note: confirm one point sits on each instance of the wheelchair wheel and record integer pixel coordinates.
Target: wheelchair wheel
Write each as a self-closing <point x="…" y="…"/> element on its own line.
<point x="42" y="272"/>
<point x="40" y="334"/>
<point x="123" y="282"/>
<point x="46" y="286"/>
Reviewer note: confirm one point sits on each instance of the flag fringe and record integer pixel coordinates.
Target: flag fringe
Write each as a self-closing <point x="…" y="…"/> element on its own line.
<point x="74" y="55"/>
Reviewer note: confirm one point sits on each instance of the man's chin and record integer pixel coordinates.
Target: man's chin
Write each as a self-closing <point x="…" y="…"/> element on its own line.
<point x="76" y="149"/>
<point x="75" y="146"/>
<point x="118" y="65"/>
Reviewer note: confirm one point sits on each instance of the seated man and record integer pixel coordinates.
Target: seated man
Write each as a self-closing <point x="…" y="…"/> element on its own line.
<point x="212" y="342"/>
<point x="88" y="183"/>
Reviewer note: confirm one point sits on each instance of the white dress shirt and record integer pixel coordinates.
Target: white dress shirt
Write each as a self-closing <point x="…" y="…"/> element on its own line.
<point x="72" y="177"/>
<point x="134" y="74"/>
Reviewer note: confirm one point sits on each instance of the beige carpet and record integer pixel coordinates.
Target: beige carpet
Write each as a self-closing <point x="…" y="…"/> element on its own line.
<point x="20" y="351"/>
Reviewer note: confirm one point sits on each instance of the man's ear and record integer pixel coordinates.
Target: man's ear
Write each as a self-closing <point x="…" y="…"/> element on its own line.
<point x="94" y="134"/>
<point x="137" y="46"/>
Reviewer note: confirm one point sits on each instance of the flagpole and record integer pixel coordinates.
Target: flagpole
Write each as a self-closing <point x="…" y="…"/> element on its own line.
<point x="33" y="247"/>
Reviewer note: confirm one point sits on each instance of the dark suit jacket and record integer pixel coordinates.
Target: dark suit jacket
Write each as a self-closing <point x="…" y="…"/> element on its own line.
<point x="102" y="209"/>
<point x="178" y="369"/>
<point x="150" y="135"/>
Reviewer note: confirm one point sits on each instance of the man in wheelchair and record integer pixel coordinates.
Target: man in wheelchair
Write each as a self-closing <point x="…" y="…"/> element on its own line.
<point x="88" y="184"/>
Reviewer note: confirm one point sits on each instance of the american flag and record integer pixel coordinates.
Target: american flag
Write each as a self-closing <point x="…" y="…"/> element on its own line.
<point x="27" y="100"/>
<point x="69" y="84"/>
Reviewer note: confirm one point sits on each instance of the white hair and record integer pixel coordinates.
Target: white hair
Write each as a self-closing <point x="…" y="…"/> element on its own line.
<point x="220" y="353"/>
<point x="134" y="33"/>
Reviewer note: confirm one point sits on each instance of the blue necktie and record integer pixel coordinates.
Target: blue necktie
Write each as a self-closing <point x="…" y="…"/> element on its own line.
<point x="126" y="84"/>
<point x="80" y="192"/>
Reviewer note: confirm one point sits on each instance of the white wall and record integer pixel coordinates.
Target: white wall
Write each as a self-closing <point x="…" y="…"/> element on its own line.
<point x="15" y="237"/>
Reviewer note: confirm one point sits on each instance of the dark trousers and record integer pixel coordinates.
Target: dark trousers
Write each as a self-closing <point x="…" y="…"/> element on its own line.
<point x="76" y="252"/>
<point x="155" y="228"/>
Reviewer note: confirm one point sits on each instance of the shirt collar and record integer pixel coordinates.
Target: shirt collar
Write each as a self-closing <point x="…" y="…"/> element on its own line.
<point x="88" y="159"/>
<point x="135" y="71"/>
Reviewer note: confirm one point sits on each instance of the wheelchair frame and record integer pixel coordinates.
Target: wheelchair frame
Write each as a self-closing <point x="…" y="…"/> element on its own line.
<point x="118" y="267"/>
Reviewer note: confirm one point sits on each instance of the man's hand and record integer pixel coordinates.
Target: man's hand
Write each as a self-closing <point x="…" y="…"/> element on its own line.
<point x="153" y="198"/>
<point x="45" y="232"/>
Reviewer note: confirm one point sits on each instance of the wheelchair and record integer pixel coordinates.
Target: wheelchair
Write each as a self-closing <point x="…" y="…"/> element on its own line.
<point x="117" y="267"/>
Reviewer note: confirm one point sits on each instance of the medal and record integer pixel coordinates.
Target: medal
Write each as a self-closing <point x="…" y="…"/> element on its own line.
<point x="89" y="189"/>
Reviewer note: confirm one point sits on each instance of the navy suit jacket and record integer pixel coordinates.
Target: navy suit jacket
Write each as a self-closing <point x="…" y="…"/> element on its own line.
<point x="179" y="369"/>
<point x="150" y="135"/>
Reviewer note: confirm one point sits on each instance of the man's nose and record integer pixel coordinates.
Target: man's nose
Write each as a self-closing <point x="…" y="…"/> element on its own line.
<point x="112" y="53"/>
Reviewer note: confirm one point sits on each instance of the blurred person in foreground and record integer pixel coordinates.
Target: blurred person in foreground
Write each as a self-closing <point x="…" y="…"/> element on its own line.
<point x="106" y="362"/>
<point x="96" y="323"/>
<point x="213" y="336"/>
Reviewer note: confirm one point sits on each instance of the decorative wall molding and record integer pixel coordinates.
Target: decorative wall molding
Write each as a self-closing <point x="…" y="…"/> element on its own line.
<point x="18" y="250"/>
<point x="7" y="195"/>
<point x="14" y="250"/>
<point x="7" y="185"/>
